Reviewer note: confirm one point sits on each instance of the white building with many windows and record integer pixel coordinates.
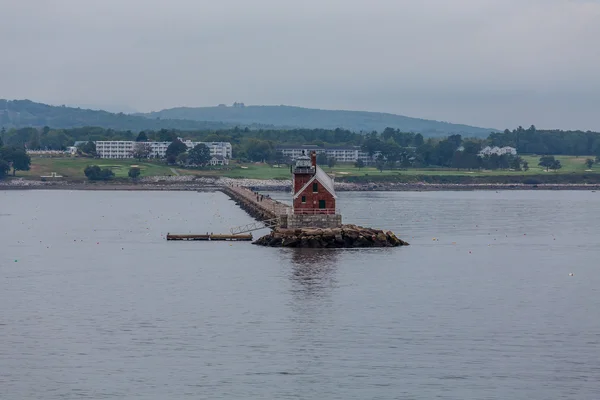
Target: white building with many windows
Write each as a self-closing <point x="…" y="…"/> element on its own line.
<point x="124" y="148"/>
<point x="114" y="149"/>
<point x="341" y="154"/>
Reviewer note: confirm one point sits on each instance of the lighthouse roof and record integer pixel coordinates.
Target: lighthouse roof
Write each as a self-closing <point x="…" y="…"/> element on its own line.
<point x="325" y="180"/>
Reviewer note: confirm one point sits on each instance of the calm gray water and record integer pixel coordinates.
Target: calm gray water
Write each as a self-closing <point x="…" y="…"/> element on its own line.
<point x="95" y="304"/>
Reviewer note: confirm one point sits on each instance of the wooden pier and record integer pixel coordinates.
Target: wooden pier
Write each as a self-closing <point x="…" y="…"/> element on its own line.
<point x="211" y="237"/>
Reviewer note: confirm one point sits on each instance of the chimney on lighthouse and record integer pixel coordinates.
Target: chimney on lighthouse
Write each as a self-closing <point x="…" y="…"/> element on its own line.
<point x="313" y="159"/>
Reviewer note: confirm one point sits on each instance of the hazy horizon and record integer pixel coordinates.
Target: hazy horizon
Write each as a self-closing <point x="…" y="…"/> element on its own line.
<point x="488" y="63"/>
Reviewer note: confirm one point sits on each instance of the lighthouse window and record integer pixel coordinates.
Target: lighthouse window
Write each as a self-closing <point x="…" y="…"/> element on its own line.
<point x="315" y="187"/>
<point x="304" y="199"/>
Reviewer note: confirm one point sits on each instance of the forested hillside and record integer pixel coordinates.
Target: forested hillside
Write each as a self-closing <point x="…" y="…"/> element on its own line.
<point x="25" y="113"/>
<point x="297" y="117"/>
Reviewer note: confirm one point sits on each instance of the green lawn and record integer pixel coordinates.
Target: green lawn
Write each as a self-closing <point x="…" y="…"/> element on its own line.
<point x="249" y="171"/>
<point x="570" y="164"/>
<point x="72" y="168"/>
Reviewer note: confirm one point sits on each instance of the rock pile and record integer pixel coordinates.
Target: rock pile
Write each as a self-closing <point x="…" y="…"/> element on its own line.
<point x="348" y="236"/>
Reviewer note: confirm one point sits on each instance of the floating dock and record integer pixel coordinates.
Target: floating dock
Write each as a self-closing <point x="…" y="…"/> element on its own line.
<point x="266" y="210"/>
<point x="238" y="238"/>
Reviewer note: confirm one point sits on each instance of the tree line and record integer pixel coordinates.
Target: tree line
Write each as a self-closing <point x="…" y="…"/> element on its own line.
<point x="544" y="142"/>
<point x="13" y="158"/>
<point x="398" y="149"/>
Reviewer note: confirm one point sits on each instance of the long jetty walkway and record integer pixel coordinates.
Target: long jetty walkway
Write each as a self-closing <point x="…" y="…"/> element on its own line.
<point x="258" y="206"/>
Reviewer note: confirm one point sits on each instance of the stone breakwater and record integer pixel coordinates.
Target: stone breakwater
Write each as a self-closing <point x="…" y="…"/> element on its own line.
<point x="348" y="236"/>
<point x="262" y="210"/>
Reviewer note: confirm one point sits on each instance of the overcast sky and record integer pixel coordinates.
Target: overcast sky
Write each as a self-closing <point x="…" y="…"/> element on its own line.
<point x="491" y="63"/>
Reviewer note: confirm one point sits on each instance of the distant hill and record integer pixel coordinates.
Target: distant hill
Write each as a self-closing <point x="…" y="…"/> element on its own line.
<point x="298" y="117"/>
<point x="111" y="108"/>
<point x="25" y="113"/>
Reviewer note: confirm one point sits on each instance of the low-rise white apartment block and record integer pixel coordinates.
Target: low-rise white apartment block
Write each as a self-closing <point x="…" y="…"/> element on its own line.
<point x="124" y="148"/>
<point x="115" y="149"/>
<point x="341" y="154"/>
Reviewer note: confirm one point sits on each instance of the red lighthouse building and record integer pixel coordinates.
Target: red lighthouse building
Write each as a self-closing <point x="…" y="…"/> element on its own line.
<point x="313" y="189"/>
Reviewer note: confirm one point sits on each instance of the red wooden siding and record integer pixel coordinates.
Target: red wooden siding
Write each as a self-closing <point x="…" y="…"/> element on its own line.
<point x="311" y="206"/>
<point x="300" y="180"/>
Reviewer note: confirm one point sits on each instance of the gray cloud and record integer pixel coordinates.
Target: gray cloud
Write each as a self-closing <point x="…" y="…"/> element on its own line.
<point x="495" y="63"/>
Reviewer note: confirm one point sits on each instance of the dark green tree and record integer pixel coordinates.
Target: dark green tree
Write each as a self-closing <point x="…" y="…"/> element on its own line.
<point x="182" y="159"/>
<point x="515" y="163"/>
<point x="547" y="162"/>
<point x="503" y="161"/>
<point x="392" y="153"/>
<point x="359" y="164"/>
<point x="95" y="173"/>
<point x="372" y="144"/>
<point x="199" y="155"/>
<point x="142" y="137"/>
<point x="165" y="135"/>
<point x="260" y="150"/>
<point x="92" y="172"/>
<point x="468" y="157"/>
<point x="380" y="162"/>
<point x="556" y="165"/>
<point x="4" y="164"/>
<point x="458" y="160"/>
<point x="176" y="148"/>
<point x="322" y="158"/>
<point x="589" y="163"/>
<point x="34" y="141"/>
<point x="6" y="154"/>
<point x="55" y="140"/>
<point x="18" y="159"/>
<point x="134" y="173"/>
<point x="426" y="153"/>
<point x="418" y="140"/>
<point x="444" y="153"/>
<point x="4" y="168"/>
<point x="331" y="162"/>
<point x="456" y="140"/>
<point x="388" y="133"/>
<point x="88" y="148"/>
<point x="525" y="166"/>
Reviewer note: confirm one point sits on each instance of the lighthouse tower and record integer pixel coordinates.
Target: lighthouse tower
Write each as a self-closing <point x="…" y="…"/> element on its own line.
<point x="314" y="198"/>
<point x="303" y="171"/>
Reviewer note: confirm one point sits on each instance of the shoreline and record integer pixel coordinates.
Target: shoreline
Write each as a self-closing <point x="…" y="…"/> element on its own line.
<point x="211" y="184"/>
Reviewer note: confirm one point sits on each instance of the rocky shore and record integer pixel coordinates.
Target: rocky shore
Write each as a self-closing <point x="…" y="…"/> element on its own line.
<point x="191" y="183"/>
<point x="348" y="236"/>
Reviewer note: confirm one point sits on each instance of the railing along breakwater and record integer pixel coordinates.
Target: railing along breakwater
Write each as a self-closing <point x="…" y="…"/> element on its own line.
<point x="258" y="206"/>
